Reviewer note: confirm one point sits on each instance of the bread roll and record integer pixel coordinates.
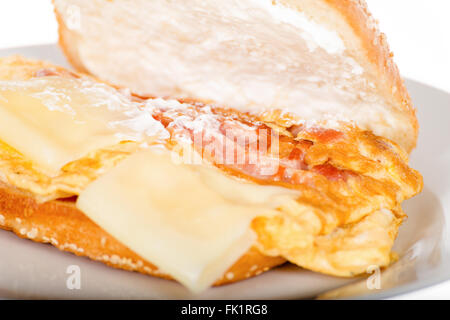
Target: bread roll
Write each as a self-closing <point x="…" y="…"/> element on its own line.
<point x="317" y="60"/>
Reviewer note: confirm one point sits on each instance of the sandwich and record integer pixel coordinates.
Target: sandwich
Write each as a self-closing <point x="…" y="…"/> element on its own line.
<point x="157" y="158"/>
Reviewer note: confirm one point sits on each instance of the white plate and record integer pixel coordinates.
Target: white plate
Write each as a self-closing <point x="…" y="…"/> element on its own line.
<point x="32" y="270"/>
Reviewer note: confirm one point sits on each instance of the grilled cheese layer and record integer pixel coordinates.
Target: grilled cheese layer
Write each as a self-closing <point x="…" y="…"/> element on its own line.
<point x="349" y="184"/>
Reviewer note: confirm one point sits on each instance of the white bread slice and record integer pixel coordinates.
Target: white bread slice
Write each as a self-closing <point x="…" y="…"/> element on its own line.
<point x="316" y="60"/>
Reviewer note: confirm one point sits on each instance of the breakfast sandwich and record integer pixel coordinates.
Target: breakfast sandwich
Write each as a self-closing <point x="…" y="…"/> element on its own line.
<point x="210" y="141"/>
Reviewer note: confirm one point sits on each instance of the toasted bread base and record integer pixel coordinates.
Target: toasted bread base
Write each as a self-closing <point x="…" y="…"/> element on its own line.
<point x="61" y="224"/>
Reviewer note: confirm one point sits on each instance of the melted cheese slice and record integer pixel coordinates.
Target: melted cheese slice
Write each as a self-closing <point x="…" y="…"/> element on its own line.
<point x="53" y="120"/>
<point x="192" y="222"/>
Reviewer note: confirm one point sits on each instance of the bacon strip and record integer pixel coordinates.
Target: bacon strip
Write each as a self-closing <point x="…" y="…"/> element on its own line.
<point x="252" y="149"/>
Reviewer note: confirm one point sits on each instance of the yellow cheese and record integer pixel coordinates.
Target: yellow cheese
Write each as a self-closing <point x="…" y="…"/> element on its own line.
<point x="190" y="221"/>
<point x="54" y="120"/>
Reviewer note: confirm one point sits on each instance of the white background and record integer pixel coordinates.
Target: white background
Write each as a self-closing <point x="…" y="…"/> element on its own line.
<point x="418" y="32"/>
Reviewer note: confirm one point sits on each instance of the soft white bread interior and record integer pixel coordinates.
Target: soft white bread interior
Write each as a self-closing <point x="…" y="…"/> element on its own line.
<point x="317" y="60"/>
